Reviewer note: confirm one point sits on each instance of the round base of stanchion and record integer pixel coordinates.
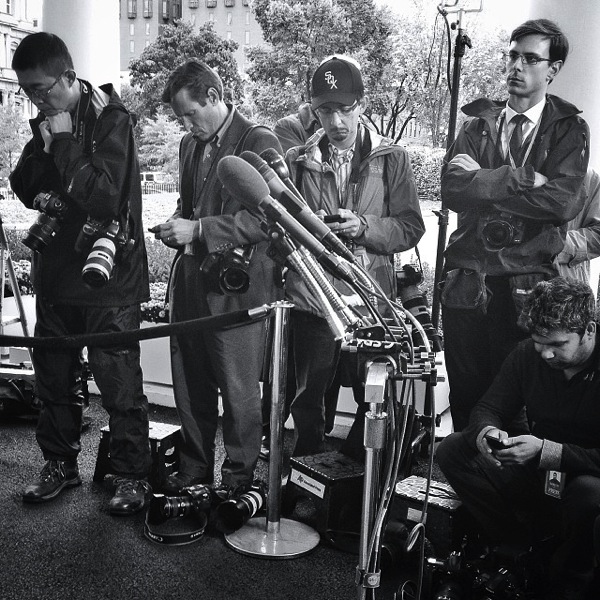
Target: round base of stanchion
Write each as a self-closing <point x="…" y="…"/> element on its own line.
<point x="292" y="540"/>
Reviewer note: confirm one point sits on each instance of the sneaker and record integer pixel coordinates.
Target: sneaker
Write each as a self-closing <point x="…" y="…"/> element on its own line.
<point x="54" y="478"/>
<point x="175" y="483"/>
<point x="131" y="496"/>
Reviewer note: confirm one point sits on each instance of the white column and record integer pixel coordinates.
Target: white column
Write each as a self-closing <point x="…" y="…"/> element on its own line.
<point x="90" y="28"/>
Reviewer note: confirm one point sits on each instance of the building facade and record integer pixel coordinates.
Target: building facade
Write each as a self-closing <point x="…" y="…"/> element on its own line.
<point x="18" y="18"/>
<point x="141" y="22"/>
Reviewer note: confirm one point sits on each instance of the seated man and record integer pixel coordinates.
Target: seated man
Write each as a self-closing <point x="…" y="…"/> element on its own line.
<point x="522" y="488"/>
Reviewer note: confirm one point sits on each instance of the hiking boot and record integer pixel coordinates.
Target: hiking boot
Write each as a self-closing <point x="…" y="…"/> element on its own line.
<point x="131" y="496"/>
<point x="54" y="478"/>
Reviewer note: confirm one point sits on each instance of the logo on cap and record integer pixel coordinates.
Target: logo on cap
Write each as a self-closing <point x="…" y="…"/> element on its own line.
<point x="331" y="80"/>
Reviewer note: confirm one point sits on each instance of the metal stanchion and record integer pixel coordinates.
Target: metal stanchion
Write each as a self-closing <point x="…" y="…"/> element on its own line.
<point x="275" y="537"/>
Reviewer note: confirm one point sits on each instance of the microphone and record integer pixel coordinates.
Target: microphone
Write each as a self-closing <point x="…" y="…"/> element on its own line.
<point x="297" y="207"/>
<point x="244" y="182"/>
<point x="277" y="163"/>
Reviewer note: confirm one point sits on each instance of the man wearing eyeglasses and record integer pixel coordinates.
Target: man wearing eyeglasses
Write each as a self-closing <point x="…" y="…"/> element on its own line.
<point x="363" y="180"/>
<point x="513" y="175"/>
<point x="82" y="154"/>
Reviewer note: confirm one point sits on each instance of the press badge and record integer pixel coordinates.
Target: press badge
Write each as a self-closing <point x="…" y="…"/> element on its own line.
<point x="555" y="483"/>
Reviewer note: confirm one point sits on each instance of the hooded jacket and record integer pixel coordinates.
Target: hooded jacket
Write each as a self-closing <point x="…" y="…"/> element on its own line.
<point x="560" y="151"/>
<point x="384" y="197"/>
<point x="96" y="172"/>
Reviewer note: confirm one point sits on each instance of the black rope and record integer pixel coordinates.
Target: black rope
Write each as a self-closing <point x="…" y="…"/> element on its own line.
<point x="124" y="338"/>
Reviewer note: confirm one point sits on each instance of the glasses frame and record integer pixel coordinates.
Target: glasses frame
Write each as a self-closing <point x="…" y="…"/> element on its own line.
<point x="41" y="95"/>
<point x="344" y="111"/>
<point x="527" y="60"/>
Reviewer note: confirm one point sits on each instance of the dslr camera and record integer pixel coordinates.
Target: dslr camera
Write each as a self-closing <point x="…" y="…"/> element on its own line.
<point x="52" y="211"/>
<point x="500" y="230"/>
<point x="227" y="273"/>
<point x="102" y="239"/>
<point x="194" y="500"/>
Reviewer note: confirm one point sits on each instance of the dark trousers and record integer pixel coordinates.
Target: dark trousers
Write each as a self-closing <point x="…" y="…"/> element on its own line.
<point x="315" y="358"/>
<point x="476" y="342"/>
<point x="117" y="373"/>
<point x="510" y="505"/>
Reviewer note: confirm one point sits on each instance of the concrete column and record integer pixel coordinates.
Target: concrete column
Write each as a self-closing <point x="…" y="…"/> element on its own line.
<point x="90" y="28"/>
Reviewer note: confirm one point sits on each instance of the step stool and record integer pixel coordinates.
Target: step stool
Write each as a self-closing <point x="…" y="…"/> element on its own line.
<point x="164" y="446"/>
<point x="333" y="482"/>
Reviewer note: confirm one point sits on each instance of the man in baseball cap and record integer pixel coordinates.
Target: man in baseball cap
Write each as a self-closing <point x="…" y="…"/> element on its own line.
<point x="365" y="185"/>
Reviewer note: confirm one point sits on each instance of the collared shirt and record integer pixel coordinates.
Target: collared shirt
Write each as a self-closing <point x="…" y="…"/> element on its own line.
<point x="341" y="162"/>
<point x="534" y="114"/>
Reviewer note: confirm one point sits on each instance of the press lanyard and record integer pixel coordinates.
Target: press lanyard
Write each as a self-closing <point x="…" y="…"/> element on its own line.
<point x="531" y="137"/>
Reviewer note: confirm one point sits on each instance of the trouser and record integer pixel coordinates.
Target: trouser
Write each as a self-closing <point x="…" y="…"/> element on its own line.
<point x="316" y="354"/>
<point x="475" y="346"/>
<point x="510" y="505"/>
<point x="117" y="373"/>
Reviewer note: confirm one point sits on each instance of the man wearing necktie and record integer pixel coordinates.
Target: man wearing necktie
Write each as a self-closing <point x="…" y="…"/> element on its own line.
<point x="513" y="175"/>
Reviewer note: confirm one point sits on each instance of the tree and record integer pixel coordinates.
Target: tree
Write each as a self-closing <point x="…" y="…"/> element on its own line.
<point x="159" y="144"/>
<point x="174" y="45"/>
<point x="14" y="134"/>
<point x="299" y="35"/>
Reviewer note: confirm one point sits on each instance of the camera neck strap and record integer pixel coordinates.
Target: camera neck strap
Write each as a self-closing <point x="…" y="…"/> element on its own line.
<point x="181" y="530"/>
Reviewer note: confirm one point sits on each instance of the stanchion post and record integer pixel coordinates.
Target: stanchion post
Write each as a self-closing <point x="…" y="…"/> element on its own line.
<point x="275" y="537"/>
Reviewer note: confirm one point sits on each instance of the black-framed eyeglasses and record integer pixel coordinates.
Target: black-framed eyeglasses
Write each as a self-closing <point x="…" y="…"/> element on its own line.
<point x="344" y="111"/>
<point x="40" y="94"/>
<point x="530" y="60"/>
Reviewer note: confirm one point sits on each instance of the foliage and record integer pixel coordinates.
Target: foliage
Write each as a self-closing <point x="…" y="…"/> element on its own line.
<point x="427" y="165"/>
<point x="156" y="310"/>
<point x="299" y="35"/>
<point x="160" y="258"/>
<point x="159" y="144"/>
<point x="175" y="44"/>
<point x="14" y="133"/>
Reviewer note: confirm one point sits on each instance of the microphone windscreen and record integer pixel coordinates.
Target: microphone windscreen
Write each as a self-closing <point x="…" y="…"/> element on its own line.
<point x="242" y="181"/>
<point x="253" y="159"/>
<point x="274" y="158"/>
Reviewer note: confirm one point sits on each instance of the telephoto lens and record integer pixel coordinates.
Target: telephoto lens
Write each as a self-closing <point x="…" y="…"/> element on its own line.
<point x="232" y="514"/>
<point x="194" y="499"/>
<point x="100" y="262"/>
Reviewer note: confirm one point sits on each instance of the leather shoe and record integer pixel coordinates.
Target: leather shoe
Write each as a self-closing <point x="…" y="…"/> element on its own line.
<point x="54" y="478"/>
<point x="131" y="496"/>
<point x="175" y="483"/>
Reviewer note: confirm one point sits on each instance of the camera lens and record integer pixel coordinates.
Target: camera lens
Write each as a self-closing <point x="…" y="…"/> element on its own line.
<point x="100" y="262"/>
<point x="235" y="512"/>
<point x="498" y="234"/>
<point x="234" y="280"/>
<point x="41" y="233"/>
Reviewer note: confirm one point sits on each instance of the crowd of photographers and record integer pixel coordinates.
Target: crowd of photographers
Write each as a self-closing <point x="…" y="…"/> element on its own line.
<point x="523" y="392"/>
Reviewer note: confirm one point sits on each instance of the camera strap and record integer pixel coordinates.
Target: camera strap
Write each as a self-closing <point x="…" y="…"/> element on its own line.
<point x="177" y="531"/>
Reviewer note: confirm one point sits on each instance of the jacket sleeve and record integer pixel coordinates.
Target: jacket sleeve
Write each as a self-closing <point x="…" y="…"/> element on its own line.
<point x="583" y="235"/>
<point x="238" y="227"/>
<point x="96" y="182"/>
<point x="510" y="189"/>
<point x="402" y="227"/>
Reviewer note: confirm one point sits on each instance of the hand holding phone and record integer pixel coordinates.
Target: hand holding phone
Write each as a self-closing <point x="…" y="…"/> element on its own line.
<point x="333" y="219"/>
<point x="494" y="442"/>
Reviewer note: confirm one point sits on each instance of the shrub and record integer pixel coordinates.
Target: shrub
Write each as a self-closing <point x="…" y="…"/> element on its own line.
<point x="427" y="165"/>
<point x="160" y="258"/>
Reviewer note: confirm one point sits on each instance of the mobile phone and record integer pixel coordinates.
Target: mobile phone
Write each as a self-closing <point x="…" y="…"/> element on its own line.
<point x="333" y="218"/>
<point x="493" y="442"/>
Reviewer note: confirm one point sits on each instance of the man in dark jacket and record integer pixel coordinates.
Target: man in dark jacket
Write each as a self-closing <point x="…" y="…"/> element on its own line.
<point x="206" y="228"/>
<point x="513" y="176"/>
<point x="523" y="488"/>
<point x="81" y="168"/>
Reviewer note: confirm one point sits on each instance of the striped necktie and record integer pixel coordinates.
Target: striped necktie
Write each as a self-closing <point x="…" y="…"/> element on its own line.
<point x="516" y="140"/>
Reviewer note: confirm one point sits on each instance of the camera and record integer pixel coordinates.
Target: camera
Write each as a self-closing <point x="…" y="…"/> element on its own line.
<point x="235" y="512"/>
<point x="415" y="301"/>
<point x="500" y="230"/>
<point x="194" y="500"/>
<point x="105" y="238"/>
<point x="227" y="273"/>
<point x="52" y="211"/>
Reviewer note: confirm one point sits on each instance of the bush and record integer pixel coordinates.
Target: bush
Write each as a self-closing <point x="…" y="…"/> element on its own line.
<point x="427" y="165"/>
<point x="160" y="258"/>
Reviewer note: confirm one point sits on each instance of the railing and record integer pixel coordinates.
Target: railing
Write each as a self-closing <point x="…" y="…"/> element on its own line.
<point x="152" y="187"/>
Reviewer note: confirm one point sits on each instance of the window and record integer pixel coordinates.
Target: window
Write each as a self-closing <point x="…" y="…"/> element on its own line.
<point x="229" y="35"/>
<point x="131" y="29"/>
<point x="6" y="7"/>
<point x="211" y="3"/>
<point x="194" y="3"/>
<point x="148" y="42"/>
<point x="229" y="18"/>
<point x="247" y="38"/>
<point x="245" y="3"/>
<point x="229" y="3"/>
<point x="211" y="17"/>
<point x="247" y="17"/>
<point x="176" y="9"/>
<point x="147" y="28"/>
<point x="131" y="46"/>
<point x="148" y="9"/>
<point x="131" y="9"/>
<point x="164" y="10"/>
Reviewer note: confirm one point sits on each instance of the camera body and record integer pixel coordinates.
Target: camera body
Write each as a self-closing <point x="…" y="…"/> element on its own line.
<point x="102" y="239"/>
<point x="194" y="500"/>
<point x="415" y="301"/>
<point x="500" y="230"/>
<point x="227" y="273"/>
<point x="52" y="211"/>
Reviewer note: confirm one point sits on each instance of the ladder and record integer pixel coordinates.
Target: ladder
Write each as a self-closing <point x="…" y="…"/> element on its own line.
<point x="7" y="267"/>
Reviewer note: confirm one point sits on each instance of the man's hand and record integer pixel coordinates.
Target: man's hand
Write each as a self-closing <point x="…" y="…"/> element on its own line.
<point x="60" y="122"/>
<point x="46" y="135"/>
<point x="177" y="232"/>
<point x="518" y="450"/>
<point x="349" y="226"/>
<point x="466" y="162"/>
